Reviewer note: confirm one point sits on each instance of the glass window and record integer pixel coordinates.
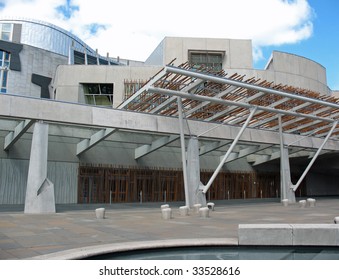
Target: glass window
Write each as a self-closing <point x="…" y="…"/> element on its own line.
<point x="210" y="60"/>
<point x="92" y="60"/>
<point x="4" y="64"/>
<point x="98" y="94"/>
<point x="6" y="31"/>
<point x="79" y="58"/>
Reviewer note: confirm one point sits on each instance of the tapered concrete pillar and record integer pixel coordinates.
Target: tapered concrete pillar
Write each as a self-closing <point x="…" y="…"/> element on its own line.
<point x="193" y="173"/>
<point x="286" y="192"/>
<point x="40" y="190"/>
<point x="285" y="181"/>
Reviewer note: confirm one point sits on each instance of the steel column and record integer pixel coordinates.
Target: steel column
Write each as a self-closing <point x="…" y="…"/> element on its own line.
<point x="183" y="151"/>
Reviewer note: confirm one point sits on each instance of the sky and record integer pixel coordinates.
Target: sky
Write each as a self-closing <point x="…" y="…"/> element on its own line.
<point x="132" y="29"/>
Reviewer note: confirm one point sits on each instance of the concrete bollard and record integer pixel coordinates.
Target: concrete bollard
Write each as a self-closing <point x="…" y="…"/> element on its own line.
<point x="164" y="206"/>
<point x="196" y="207"/>
<point x="302" y="203"/>
<point x="336" y="220"/>
<point x="210" y="206"/>
<point x="310" y="202"/>
<point x="285" y="202"/>
<point x="204" y="212"/>
<point x="100" y="213"/>
<point x="183" y="210"/>
<point x="166" y="213"/>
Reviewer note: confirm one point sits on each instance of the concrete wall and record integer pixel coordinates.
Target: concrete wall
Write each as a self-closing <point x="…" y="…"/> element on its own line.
<point x="238" y="53"/>
<point x="298" y="71"/>
<point x="69" y="77"/>
<point x="33" y="61"/>
<point x="13" y="181"/>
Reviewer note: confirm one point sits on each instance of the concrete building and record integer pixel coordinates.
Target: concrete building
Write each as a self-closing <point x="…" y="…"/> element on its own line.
<point x="78" y="127"/>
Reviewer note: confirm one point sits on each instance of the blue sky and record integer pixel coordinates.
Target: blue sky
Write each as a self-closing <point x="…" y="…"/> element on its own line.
<point x="133" y="28"/>
<point x="323" y="44"/>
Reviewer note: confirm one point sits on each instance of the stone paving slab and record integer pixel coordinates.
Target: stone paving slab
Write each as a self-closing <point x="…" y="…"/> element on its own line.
<point x="75" y="226"/>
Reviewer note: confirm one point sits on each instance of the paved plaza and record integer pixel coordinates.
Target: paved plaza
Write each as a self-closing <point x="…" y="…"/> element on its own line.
<point x="25" y="236"/>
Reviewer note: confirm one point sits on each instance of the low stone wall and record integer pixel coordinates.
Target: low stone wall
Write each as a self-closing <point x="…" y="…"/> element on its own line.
<point x="289" y="234"/>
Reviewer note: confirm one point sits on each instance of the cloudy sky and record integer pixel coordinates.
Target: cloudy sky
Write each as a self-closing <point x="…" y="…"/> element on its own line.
<point x="133" y="28"/>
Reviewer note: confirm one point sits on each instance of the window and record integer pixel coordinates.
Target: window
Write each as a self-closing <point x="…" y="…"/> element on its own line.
<point x="209" y="59"/>
<point x="6" y="31"/>
<point x="89" y="59"/>
<point x="79" y="58"/>
<point x="98" y="94"/>
<point x="4" y="64"/>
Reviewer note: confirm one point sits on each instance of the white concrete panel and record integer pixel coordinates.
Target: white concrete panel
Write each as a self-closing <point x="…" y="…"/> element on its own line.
<point x="265" y="234"/>
<point x="315" y="234"/>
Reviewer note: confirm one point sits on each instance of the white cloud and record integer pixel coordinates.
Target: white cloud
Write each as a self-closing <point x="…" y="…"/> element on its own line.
<point x="135" y="27"/>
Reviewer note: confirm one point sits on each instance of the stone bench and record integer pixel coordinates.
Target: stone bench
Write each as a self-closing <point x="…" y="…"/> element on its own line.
<point x="289" y="234"/>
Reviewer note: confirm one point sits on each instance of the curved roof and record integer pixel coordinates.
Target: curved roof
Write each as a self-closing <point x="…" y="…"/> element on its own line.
<point x="46" y="36"/>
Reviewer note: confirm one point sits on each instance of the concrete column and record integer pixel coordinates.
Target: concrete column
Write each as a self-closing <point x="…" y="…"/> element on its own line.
<point x="193" y="173"/>
<point x="40" y="190"/>
<point x="286" y="192"/>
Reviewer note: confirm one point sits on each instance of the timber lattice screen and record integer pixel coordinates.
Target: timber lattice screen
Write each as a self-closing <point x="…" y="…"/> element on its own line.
<point x="121" y="184"/>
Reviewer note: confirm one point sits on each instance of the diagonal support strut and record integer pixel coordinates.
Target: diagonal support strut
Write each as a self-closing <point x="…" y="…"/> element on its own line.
<point x="203" y="188"/>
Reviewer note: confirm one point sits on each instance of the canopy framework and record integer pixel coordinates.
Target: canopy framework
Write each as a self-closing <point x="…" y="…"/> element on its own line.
<point x="215" y="97"/>
<point x="236" y="101"/>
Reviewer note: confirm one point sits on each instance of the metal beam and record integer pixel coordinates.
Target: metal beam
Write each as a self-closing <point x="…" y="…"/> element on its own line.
<point x="15" y="135"/>
<point x="173" y="99"/>
<point x="232" y="108"/>
<point x="223" y="80"/>
<point x="157" y="144"/>
<point x="183" y="152"/>
<point x="239" y="104"/>
<point x="96" y="138"/>
<point x="203" y="104"/>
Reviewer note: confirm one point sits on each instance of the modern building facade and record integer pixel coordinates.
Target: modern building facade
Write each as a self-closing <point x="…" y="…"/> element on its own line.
<point x="110" y="140"/>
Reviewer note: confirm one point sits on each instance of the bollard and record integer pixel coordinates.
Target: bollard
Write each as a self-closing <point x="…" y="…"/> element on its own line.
<point x="204" y="212"/>
<point x="310" y="202"/>
<point x="196" y="207"/>
<point x="302" y="203"/>
<point x="210" y="206"/>
<point x="183" y="210"/>
<point x="166" y="213"/>
<point x="285" y="202"/>
<point x="100" y="213"/>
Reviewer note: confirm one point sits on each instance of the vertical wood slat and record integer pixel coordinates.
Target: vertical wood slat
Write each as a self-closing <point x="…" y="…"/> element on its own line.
<point x="96" y="184"/>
